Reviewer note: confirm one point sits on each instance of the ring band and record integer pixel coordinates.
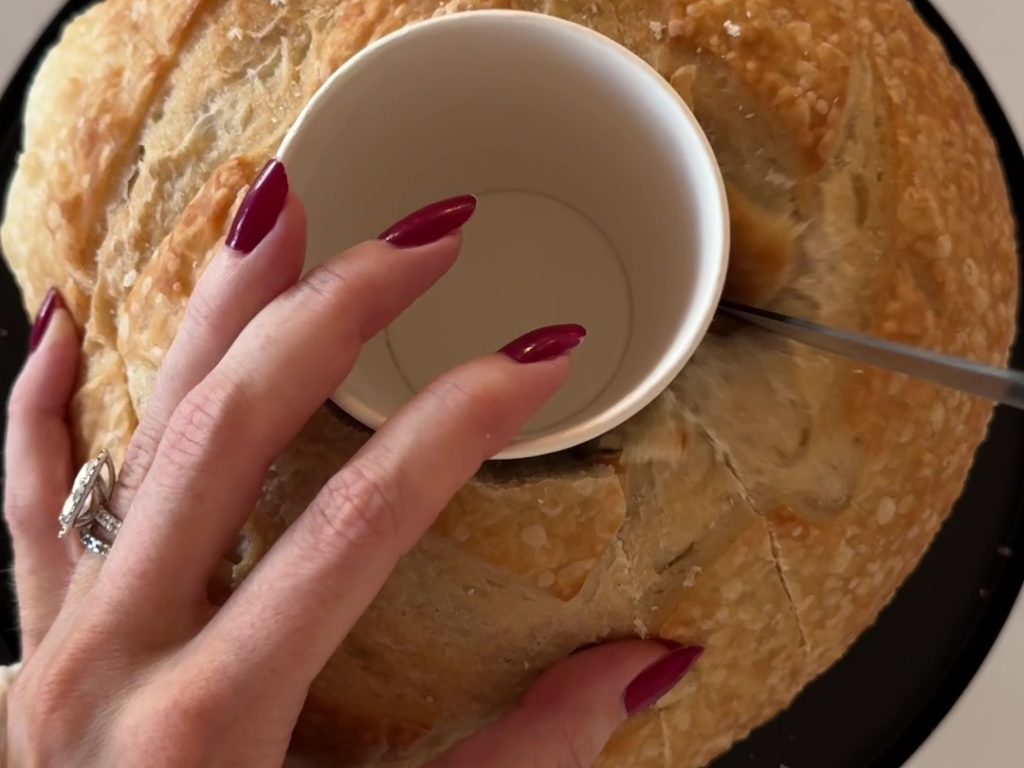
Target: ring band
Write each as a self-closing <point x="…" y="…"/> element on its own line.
<point x="105" y="520"/>
<point x="93" y="544"/>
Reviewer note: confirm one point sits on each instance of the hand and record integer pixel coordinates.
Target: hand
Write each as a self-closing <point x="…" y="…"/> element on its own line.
<point x="125" y="660"/>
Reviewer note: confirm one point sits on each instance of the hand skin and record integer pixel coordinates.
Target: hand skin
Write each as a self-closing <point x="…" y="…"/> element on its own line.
<point x="125" y="661"/>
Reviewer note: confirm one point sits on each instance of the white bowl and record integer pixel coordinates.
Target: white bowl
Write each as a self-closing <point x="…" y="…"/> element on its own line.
<point x="600" y="203"/>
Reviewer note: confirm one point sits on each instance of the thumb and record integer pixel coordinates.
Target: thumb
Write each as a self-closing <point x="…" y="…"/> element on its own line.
<point x="574" y="708"/>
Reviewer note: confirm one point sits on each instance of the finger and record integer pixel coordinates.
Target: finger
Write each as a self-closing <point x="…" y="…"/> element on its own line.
<point x="39" y="470"/>
<point x="209" y="467"/>
<point x="262" y="258"/>
<point x="568" y="716"/>
<point x="321" y="576"/>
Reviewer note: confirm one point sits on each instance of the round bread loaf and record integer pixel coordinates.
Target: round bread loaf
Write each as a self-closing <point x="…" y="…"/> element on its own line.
<point x="767" y="506"/>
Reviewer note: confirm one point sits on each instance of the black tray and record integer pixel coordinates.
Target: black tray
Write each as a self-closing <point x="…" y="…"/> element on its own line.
<point x="877" y="706"/>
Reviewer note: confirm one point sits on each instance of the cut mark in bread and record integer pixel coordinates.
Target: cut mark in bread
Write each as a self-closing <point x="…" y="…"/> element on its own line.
<point x="722" y="452"/>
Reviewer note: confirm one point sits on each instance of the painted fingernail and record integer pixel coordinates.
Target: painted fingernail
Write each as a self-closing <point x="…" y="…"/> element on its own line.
<point x="430" y="224"/>
<point x="660" y="678"/>
<point x="545" y="343"/>
<point x="261" y="208"/>
<point x="50" y="305"/>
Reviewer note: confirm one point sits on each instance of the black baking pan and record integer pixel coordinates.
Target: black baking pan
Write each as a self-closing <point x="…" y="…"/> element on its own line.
<point x="878" y="705"/>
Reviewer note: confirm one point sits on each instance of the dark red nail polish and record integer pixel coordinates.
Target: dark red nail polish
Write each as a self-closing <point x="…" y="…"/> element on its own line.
<point x="545" y="343"/>
<point x="51" y="304"/>
<point x="660" y="678"/>
<point x="260" y="209"/>
<point x="430" y="224"/>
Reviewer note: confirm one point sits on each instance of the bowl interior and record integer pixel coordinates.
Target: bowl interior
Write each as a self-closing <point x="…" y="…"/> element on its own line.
<point x="600" y="203"/>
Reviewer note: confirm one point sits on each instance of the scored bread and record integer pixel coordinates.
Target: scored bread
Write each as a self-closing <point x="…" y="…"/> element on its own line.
<point x="767" y="506"/>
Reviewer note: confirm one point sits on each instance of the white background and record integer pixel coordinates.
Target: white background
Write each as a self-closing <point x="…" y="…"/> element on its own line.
<point x="984" y="729"/>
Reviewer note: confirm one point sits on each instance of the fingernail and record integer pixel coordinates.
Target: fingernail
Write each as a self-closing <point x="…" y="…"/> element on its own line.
<point x="260" y="209"/>
<point x="545" y="343"/>
<point x="51" y="304"/>
<point x="430" y="224"/>
<point x="659" y="678"/>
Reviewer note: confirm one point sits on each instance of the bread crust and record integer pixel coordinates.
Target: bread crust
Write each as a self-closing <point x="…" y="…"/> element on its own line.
<point x="768" y="505"/>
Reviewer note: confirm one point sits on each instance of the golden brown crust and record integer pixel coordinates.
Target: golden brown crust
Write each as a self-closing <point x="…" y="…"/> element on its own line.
<point x="157" y="295"/>
<point x="768" y="505"/>
<point x="795" y="57"/>
<point x="86" y="107"/>
<point x="509" y="527"/>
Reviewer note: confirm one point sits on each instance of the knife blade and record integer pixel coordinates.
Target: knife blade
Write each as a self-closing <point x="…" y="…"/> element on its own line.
<point x="999" y="384"/>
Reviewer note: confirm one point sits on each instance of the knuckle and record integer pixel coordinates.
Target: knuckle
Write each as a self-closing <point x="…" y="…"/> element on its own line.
<point x="49" y="695"/>
<point x="27" y="509"/>
<point x="449" y="392"/>
<point x="31" y="500"/>
<point x="144" y="442"/>
<point x="341" y="287"/>
<point x="141" y="450"/>
<point x="202" y="422"/>
<point x="478" y="408"/>
<point x="572" y="749"/>
<point x="202" y="312"/>
<point x="478" y="404"/>
<point x="327" y="282"/>
<point x="23" y="400"/>
<point x="186" y="714"/>
<point x="358" y="508"/>
<point x="171" y="717"/>
<point x="41" y="704"/>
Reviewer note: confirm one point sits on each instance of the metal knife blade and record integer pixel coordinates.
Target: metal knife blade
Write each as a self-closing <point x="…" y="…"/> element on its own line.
<point x="998" y="384"/>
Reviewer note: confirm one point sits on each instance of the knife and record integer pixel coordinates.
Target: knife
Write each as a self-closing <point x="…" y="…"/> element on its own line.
<point x="998" y="384"/>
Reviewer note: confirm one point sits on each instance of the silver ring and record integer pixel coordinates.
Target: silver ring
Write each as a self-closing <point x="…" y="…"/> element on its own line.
<point x="93" y="544"/>
<point x="105" y="520"/>
<point x="85" y="509"/>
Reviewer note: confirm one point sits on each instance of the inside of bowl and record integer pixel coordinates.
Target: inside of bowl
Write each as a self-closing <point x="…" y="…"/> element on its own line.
<point x="598" y="205"/>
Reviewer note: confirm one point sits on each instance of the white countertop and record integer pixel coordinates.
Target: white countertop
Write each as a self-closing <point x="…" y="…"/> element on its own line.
<point x="984" y="728"/>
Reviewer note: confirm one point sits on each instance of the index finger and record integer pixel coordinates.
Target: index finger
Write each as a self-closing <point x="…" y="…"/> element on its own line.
<point x="324" y="572"/>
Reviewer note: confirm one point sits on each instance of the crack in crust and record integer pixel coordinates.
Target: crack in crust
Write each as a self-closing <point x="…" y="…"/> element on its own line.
<point x="666" y="742"/>
<point x="777" y="557"/>
<point x="722" y="452"/>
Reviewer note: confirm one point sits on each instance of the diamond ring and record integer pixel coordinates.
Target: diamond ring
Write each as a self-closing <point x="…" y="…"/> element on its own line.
<point x="85" y="509"/>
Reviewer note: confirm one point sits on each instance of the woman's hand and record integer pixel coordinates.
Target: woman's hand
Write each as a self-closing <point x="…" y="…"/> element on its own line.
<point x="125" y="660"/>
